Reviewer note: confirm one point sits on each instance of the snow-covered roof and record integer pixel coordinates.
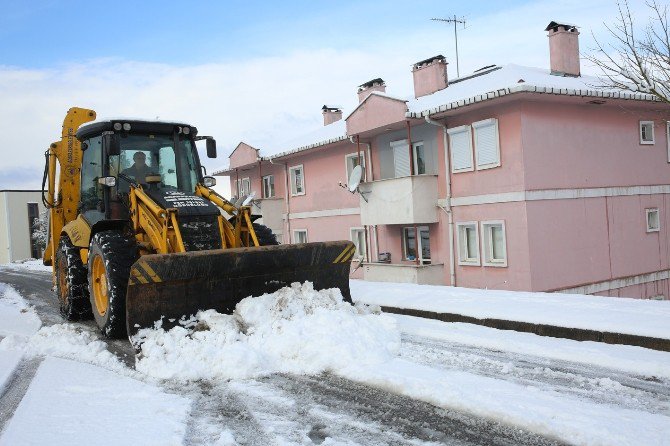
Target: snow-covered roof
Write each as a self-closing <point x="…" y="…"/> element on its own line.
<point x="488" y="83"/>
<point x="328" y="134"/>
<point x="507" y="79"/>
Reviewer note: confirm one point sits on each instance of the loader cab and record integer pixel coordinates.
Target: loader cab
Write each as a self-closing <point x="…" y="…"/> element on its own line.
<point x="160" y="157"/>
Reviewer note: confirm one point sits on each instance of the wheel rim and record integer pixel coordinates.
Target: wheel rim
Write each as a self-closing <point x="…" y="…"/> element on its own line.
<point x="100" y="286"/>
<point x="62" y="281"/>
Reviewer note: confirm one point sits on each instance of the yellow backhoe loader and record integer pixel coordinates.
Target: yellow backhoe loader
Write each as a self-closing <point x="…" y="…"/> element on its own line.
<point x="137" y="236"/>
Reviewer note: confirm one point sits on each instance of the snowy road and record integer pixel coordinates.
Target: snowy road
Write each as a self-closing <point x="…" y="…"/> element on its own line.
<point x="329" y="409"/>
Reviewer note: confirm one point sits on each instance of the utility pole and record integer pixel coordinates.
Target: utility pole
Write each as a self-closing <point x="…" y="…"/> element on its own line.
<point x="455" y="20"/>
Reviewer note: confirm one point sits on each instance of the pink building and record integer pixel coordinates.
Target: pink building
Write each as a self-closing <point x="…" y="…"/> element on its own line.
<point x="513" y="178"/>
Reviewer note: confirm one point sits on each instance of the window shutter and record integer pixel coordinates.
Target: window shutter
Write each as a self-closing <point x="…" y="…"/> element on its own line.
<point x="486" y="143"/>
<point x="400" y="158"/>
<point x="461" y="148"/>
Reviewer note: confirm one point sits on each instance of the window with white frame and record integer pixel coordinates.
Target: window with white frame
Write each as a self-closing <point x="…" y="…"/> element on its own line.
<point x="487" y="143"/>
<point x="245" y="186"/>
<point x="300" y="236"/>
<point x="410" y="244"/>
<point x="494" y="243"/>
<point x="352" y="160"/>
<point x="468" y="243"/>
<point x="653" y="221"/>
<point x="646" y="132"/>
<point x="419" y="153"/>
<point x="268" y="186"/>
<point x="460" y="144"/>
<point x="358" y="237"/>
<point x="400" y="158"/>
<point x="297" y="180"/>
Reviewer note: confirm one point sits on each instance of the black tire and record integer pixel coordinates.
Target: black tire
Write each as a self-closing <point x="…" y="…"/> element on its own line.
<point x="117" y="252"/>
<point x="264" y="235"/>
<point x="71" y="282"/>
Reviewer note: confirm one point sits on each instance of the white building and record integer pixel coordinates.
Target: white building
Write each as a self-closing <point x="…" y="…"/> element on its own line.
<point x="18" y="209"/>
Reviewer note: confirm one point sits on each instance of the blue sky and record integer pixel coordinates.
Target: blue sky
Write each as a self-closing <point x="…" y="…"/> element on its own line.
<point x="257" y="72"/>
<point x="45" y="33"/>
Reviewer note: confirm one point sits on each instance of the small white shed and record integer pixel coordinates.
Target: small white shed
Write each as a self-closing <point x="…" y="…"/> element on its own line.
<point x="18" y="209"/>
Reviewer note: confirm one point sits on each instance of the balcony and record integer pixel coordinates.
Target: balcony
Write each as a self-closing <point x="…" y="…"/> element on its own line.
<point x="405" y="200"/>
<point x="272" y="210"/>
<point x="432" y="274"/>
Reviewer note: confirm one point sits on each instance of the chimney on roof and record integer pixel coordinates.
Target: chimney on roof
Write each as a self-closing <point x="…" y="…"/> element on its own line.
<point x="365" y="89"/>
<point x="563" y="49"/>
<point x="430" y="75"/>
<point x="331" y="114"/>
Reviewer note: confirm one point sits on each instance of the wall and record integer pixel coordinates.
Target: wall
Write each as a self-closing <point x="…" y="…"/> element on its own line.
<point x="584" y="146"/>
<point x="582" y="241"/>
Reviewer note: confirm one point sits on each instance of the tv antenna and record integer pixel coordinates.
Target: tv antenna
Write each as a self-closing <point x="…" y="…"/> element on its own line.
<point x="455" y="20"/>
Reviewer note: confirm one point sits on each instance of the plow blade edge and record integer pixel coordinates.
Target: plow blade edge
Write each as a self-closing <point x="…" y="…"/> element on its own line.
<point x="171" y="286"/>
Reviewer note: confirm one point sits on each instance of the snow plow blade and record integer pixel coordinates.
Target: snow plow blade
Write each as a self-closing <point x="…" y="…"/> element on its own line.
<point x="168" y="287"/>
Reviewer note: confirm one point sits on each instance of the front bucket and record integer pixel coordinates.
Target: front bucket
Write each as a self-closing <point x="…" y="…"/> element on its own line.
<point x="170" y="286"/>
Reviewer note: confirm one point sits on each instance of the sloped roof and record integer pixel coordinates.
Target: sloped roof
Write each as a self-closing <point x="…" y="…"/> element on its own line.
<point x="507" y="79"/>
<point x="327" y="134"/>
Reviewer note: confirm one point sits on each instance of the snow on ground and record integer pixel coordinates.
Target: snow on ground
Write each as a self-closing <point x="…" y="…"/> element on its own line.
<point x="613" y="314"/>
<point x="627" y="358"/>
<point x="74" y="403"/>
<point x="16" y="317"/>
<point x="545" y="412"/>
<point x="294" y="330"/>
<point x="27" y="264"/>
<point x="69" y="341"/>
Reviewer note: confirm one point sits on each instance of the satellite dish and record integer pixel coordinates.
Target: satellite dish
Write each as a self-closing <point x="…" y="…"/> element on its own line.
<point x="355" y="178"/>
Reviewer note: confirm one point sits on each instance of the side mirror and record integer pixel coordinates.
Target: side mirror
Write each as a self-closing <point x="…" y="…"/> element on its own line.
<point x="211" y="148"/>
<point x="112" y="144"/>
<point x="209" y="181"/>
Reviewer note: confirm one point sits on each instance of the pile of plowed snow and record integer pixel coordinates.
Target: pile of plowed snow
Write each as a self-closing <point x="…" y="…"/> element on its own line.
<point x="295" y="330"/>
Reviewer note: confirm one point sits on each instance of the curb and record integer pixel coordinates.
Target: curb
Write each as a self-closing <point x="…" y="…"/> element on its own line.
<point x="554" y="331"/>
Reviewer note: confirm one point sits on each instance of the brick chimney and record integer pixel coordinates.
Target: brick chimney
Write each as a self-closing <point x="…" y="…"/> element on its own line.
<point x="365" y="89"/>
<point x="331" y="114"/>
<point x="563" y="49"/>
<point x="430" y="75"/>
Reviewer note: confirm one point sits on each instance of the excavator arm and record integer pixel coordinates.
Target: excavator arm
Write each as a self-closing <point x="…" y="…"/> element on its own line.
<point x="62" y="176"/>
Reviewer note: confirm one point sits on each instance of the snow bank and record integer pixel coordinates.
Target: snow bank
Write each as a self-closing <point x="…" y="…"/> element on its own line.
<point x="74" y="403"/>
<point x="548" y="413"/>
<point x="627" y="358"/>
<point x="614" y="314"/>
<point x="16" y="316"/>
<point x="295" y="330"/>
<point x="29" y="265"/>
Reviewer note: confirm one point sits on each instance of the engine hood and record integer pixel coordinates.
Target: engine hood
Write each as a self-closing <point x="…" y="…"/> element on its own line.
<point x="186" y="204"/>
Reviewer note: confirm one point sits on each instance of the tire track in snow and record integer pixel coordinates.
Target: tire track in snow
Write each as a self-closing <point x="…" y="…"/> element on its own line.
<point x="16" y="388"/>
<point x="598" y="384"/>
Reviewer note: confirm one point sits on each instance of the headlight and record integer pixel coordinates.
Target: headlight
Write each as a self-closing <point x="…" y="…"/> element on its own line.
<point x="107" y="181"/>
<point x="126" y="127"/>
<point x="117" y="126"/>
<point x="209" y="181"/>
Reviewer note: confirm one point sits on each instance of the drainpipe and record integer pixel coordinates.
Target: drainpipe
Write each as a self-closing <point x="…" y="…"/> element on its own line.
<point x="447" y="208"/>
<point x="237" y="183"/>
<point x="286" y="199"/>
<point x="260" y="179"/>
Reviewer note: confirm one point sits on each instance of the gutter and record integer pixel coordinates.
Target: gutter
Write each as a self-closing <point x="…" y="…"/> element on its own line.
<point x="447" y="207"/>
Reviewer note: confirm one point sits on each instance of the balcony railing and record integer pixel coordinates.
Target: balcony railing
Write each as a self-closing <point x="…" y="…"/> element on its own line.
<point x="405" y="200"/>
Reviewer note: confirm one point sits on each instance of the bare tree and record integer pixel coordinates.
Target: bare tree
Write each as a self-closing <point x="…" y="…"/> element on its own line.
<point x="637" y="60"/>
